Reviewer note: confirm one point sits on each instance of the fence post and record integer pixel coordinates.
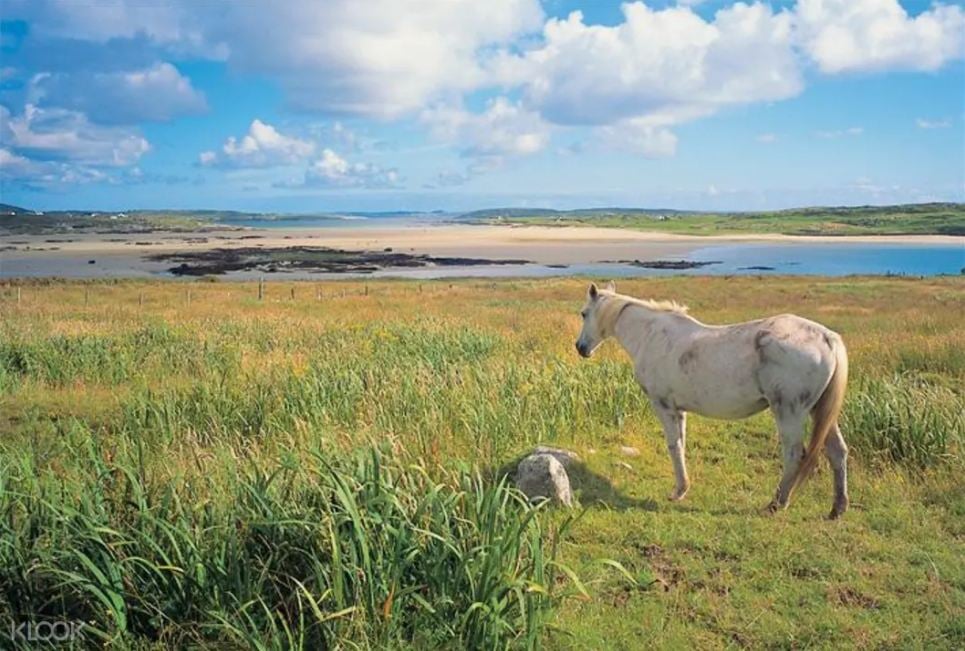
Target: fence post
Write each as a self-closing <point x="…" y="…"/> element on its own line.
<point x="18" y="295"/>
<point x="293" y="293"/>
<point x="318" y="293"/>
<point x="366" y="289"/>
<point x="189" y="296"/>
<point x="140" y="299"/>
<point x="261" y="288"/>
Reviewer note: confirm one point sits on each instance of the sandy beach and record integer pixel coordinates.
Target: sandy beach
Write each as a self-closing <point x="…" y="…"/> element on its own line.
<point x="126" y="255"/>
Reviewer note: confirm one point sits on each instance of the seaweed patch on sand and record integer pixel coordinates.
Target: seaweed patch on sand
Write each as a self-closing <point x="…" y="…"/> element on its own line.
<point x="307" y="258"/>
<point x="664" y="264"/>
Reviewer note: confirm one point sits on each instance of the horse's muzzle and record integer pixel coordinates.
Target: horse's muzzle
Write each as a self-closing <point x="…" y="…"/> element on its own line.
<point x="582" y="350"/>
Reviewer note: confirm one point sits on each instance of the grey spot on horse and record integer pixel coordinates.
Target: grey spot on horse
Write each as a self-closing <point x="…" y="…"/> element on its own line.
<point x="663" y="403"/>
<point x="688" y="359"/>
<point x="827" y="340"/>
<point x="805" y="398"/>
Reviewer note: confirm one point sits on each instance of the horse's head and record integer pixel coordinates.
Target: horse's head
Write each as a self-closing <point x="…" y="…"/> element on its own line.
<point x="592" y="335"/>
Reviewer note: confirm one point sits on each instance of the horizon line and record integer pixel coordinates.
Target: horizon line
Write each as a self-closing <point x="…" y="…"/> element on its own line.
<point x="4" y="205"/>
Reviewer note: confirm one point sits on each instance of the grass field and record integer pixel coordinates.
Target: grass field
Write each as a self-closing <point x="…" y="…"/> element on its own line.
<point x="916" y="219"/>
<point x="184" y="465"/>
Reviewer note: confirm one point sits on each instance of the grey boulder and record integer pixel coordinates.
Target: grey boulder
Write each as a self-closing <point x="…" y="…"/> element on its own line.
<point x="542" y="476"/>
<point x="563" y="456"/>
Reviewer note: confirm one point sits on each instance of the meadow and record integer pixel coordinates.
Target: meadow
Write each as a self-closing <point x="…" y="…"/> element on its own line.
<point x="185" y="465"/>
<point x="914" y="219"/>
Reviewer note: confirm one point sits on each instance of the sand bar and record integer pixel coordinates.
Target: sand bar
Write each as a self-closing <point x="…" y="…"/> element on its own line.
<point x="119" y="255"/>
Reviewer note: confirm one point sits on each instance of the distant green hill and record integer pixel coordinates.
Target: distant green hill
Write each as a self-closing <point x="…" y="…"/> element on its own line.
<point x="7" y="209"/>
<point x="20" y="221"/>
<point x="910" y="219"/>
<point x="23" y="221"/>
<point x="592" y="213"/>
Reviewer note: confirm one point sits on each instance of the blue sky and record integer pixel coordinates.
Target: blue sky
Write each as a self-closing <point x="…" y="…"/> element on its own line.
<point x="462" y="104"/>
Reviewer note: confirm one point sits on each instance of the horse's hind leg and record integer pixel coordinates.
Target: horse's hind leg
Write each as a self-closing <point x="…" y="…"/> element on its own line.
<point x="790" y="428"/>
<point x="837" y="453"/>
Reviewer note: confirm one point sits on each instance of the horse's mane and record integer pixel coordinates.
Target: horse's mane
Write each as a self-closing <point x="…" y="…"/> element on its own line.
<point x="651" y="304"/>
<point x="616" y="303"/>
<point x="658" y="306"/>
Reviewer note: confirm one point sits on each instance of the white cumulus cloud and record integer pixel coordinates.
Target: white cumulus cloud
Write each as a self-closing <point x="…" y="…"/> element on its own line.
<point x="381" y="58"/>
<point x="667" y="66"/>
<point x="27" y="172"/>
<point x="54" y="148"/>
<point x="869" y="35"/>
<point x="654" y="70"/>
<point x="502" y="130"/>
<point x="17" y="168"/>
<point x="262" y="146"/>
<point x="61" y="134"/>
<point x="378" y="58"/>
<point x="334" y="171"/>
<point x="156" y="93"/>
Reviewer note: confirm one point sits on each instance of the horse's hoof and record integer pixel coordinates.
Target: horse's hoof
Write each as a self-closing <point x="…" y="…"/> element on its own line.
<point x="837" y="511"/>
<point x="678" y="495"/>
<point x="772" y="508"/>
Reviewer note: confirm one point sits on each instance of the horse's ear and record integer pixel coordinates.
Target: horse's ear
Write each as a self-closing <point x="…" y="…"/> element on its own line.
<point x="593" y="291"/>
<point x="611" y="286"/>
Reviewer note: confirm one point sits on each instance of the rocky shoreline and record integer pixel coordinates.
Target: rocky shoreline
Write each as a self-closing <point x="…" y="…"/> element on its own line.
<point x="313" y="259"/>
<point x="664" y="264"/>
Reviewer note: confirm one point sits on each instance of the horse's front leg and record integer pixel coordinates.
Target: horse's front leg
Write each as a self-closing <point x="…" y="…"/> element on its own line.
<point x="675" y="431"/>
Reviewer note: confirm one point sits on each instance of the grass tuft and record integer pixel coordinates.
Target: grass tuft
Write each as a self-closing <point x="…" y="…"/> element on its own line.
<point x="905" y="419"/>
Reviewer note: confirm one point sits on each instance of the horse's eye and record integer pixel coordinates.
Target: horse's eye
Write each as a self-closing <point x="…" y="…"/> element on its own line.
<point x="583" y="314"/>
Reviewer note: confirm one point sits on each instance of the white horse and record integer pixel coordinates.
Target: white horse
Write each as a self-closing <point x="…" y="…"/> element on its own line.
<point x="788" y="363"/>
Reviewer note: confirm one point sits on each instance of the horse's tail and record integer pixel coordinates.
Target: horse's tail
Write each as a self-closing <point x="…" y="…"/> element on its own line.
<point x="824" y="415"/>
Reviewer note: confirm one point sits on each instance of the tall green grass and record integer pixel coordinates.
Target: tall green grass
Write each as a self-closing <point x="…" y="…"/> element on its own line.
<point x="905" y="419"/>
<point x="947" y="359"/>
<point x="110" y="359"/>
<point x="427" y="383"/>
<point x="498" y="408"/>
<point x="368" y="549"/>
